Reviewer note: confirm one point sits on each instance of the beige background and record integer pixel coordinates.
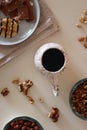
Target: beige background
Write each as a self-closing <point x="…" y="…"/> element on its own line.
<point x="15" y="104"/>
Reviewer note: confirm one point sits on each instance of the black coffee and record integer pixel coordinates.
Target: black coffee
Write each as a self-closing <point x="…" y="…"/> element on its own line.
<point x="53" y="60"/>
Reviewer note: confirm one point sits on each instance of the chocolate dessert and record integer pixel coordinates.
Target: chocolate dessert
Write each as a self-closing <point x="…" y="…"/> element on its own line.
<point x="24" y="9"/>
<point x="31" y="9"/>
<point x="23" y="12"/>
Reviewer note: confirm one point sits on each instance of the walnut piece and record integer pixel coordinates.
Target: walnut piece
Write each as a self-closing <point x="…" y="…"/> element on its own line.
<point x="5" y="91"/>
<point x="54" y="114"/>
<point x="24" y="88"/>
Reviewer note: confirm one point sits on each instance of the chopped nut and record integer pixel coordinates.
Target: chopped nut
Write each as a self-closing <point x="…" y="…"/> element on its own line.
<point x="20" y="87"/>
<point x="83" y="19"/>
<point x="41" y="100"/>
<point x="49" y="114"/>
<point x="24" y="87"/>
<point x="81" y="39"/>
<point x="85" y="45"/>
<point x="16" y="81"/>
<point x="79" y="99"/>
<point x="79" y="25"/>
<point x="25" y="90"/>
<point x="29" y="83"/>
<point x="54" y="114"/>
<point x="31" y="100"/>
<point x="5" y="91"/>
<point x="85" y="12"/>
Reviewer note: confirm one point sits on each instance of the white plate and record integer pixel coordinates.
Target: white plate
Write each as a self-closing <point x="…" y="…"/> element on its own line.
<point x="26" y="29"/>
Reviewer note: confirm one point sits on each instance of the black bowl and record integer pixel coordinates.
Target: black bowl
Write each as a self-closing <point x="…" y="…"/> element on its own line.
<point x="78" y="85"/>
<point x="24" y="118"/>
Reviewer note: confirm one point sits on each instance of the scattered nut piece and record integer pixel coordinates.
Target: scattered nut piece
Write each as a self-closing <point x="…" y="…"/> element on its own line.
<point x="20" y="87"/>
<point x="41" y="100"/>
<point x="79" y="25"/>
<point x="24" y="87"/>
<point x="25" y="90"/>
<point x="5" y="91"/>
<point x="16" y="81"/>
<point x="31" y="100"/>
<point x="85" y="21"/>
<point x="85" y="12"/>
<point x="81" y="39"/>
<point x="28" y="83"/>
<point x="85" y="45"/>
<point x="54" y="114"/>
<point x="82" y="19"/>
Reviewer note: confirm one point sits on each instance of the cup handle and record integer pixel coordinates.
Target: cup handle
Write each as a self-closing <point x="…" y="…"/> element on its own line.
<point x="55" y="86"/>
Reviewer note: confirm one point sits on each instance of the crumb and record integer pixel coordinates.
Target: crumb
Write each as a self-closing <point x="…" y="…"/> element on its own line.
<point x="16" y="81"/>
<point x="41" y="100"/>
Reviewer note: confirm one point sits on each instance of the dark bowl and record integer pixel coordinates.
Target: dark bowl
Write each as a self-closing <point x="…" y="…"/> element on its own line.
<point x="25" y="118"/>
<point x="74" y="95"/>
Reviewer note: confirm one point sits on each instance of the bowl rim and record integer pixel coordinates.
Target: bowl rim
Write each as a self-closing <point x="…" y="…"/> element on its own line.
<point x="75" y="86"/>
<point x="27" y="118"/>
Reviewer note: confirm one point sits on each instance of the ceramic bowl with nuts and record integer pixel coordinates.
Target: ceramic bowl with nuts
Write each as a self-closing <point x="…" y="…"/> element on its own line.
<point x="78" y="99"/>
<point x="23" y="123"/>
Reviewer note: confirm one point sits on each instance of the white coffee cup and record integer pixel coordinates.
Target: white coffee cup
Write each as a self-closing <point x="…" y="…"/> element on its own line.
<point x="50" y="59"/>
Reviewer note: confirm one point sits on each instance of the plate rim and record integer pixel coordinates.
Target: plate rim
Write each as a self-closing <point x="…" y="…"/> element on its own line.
<point x="27" y="118"/>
